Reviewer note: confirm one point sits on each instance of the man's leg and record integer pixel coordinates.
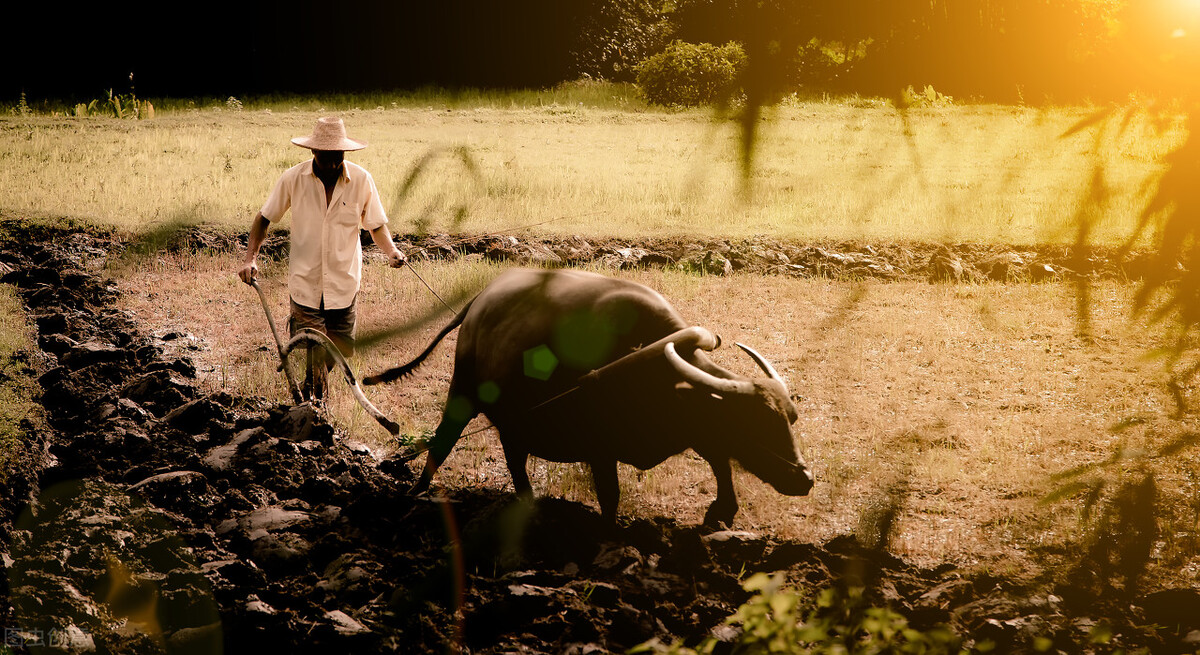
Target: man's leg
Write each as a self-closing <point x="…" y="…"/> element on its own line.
<point x="339" y="327"/>
<point x="314" y="370"/>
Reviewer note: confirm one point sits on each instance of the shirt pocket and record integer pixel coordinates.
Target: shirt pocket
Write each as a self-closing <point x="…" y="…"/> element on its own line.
<point x="347" y="214"/>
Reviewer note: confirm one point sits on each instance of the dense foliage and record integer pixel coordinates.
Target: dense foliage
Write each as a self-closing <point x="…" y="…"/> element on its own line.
<point x="689" y="74"/>
<point x="995" y="49"/>
<point x="616" y="35"/>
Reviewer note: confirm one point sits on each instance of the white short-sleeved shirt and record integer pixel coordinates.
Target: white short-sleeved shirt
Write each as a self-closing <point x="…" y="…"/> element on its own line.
<point x="326" y="253"/>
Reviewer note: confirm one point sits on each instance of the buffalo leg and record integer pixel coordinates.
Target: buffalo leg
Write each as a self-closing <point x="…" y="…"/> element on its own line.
<point x="447" y="435"/>
<point x="517" y="458"/>
<point x="608" y="489"/>
<point x="725" y="507"/>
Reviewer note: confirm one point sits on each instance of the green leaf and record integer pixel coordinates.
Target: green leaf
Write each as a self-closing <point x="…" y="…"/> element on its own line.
<point x="762" y="582"/>
<point x="782" y="604"/>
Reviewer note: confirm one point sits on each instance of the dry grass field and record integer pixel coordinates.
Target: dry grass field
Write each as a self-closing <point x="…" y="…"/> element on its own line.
<point x="960" y="402"/>
<point x="857" y="169"/>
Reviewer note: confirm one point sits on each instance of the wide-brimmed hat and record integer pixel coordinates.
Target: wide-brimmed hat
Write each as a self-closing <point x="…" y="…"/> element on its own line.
<point x="328" y="134"/>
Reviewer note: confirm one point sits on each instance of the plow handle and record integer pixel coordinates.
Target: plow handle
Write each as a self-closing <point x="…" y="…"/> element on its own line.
<point x="283" y="363"/>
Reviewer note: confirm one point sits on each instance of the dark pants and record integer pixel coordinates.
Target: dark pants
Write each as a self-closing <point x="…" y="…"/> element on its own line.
<point x="338" y="325"/>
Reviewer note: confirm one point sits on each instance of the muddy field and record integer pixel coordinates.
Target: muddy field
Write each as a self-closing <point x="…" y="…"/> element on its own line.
<point x="167" y="520"/>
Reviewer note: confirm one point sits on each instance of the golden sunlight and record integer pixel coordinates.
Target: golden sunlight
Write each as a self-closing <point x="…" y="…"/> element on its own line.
<point x="1187" y="9"/>
<point x="1187" y="12"/>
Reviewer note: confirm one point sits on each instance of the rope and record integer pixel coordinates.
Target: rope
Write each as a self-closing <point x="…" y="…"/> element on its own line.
<point x="415" y="453"/>
<point x="489" y="234"/>
<point x="435" y="293"/>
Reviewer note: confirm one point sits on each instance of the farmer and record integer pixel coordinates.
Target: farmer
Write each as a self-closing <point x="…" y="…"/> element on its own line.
<point x="331" y="200"/>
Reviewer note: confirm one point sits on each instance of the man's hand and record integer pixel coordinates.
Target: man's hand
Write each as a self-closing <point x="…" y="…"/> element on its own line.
<point x="249" y="272"/>
<point x="383" y="239"/>
<point x="258" y="232"/>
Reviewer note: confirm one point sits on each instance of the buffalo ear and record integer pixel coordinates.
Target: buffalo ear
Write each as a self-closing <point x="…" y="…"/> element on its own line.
<point x="686" y="389"/>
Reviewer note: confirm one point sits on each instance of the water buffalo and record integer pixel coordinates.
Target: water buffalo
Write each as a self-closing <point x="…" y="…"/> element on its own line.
<point x="572" y="366"/>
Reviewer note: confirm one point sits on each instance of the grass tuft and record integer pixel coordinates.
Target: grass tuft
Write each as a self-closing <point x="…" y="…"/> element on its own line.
<point x="20" y="413"/>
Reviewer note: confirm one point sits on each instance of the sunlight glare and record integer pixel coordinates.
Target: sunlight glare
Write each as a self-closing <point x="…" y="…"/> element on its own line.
<point x="1190" y="8"/>
<point x="1188" y="12"/>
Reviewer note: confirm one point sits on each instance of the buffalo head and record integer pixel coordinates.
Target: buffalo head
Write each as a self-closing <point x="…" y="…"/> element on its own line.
<point x="756" y="414"/>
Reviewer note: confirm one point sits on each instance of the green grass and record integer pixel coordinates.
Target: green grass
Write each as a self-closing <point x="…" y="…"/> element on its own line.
<point x="597" y="161"/>
<point x="18" y="389"/>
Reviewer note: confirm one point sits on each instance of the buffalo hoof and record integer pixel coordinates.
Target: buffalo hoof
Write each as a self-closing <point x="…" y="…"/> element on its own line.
<point x="717" y="526"/>
<point x="719" y="518"/>
<point x="421" y="487"/>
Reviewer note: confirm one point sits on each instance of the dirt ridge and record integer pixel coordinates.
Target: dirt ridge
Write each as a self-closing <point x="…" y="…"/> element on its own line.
<point x="893" y="261"/>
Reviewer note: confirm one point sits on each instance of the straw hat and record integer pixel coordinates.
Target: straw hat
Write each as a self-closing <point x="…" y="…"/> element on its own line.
<point x="328" y="134"/>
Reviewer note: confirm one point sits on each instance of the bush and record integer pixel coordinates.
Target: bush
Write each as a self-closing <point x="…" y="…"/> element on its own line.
<point x="929" y="97"/>
<point x="691" y="74"/>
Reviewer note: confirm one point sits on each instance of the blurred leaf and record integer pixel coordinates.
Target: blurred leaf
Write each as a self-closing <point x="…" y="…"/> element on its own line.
<point x="1101" y="633"/>
<point x="456" y="297"/>
<point x="1092" y="120"/>
<point x="1183" y="442"/>
<point x="162" y="236"/>
<point x="470" y="166"/>
<point x="1066" y="491"/>
<point x="1126" y="423"/>
<point x="1091" y="499"/>
<point x="1089" y="467"/>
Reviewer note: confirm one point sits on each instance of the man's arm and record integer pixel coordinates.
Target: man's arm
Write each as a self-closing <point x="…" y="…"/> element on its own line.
<point x="383" y="239"/>
<point x="258" y="234"/>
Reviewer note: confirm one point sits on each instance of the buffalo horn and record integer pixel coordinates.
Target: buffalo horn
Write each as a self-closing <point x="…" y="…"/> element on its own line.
<point x="703" y="379"/>
<point x="691" y="337"/>
<point x="763" y="364"/>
